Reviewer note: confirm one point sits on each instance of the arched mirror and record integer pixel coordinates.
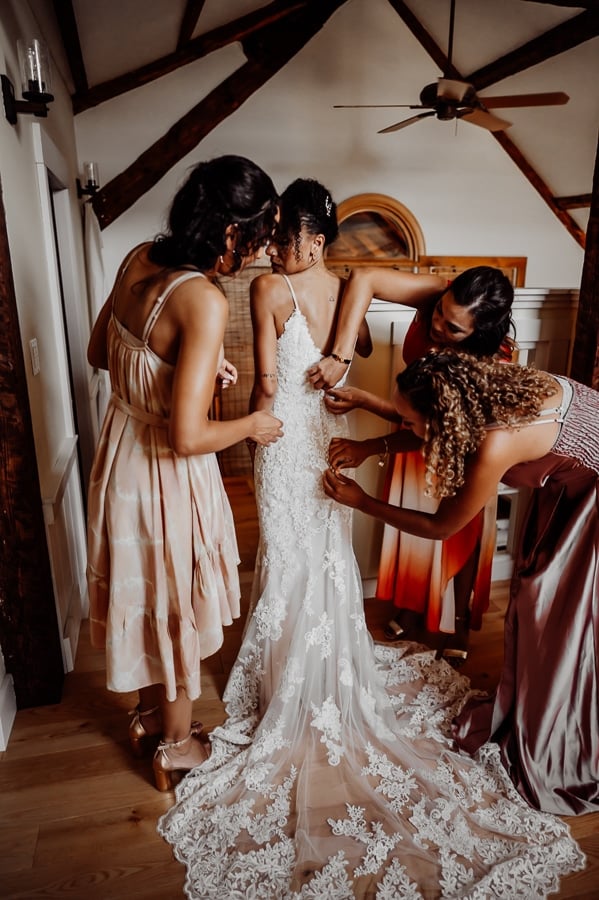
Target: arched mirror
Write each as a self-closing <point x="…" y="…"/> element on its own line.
<point x="374" y="228"/>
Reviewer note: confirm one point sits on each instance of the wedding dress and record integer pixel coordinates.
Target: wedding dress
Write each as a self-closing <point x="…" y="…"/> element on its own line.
<point x="335" y="775"/>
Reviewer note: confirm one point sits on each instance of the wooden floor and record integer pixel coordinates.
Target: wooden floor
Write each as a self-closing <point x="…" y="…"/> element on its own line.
<point x="78" y="813"/>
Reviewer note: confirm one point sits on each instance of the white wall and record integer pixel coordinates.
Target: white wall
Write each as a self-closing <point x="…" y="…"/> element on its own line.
<point x="36" y="286"/>
<point x="468" y="196"/>
<point x="33" y="152"/>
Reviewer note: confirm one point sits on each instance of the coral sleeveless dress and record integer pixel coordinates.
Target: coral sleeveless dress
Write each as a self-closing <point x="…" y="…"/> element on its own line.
<point x="162" y="553"/>
<point x="415" y="572"/>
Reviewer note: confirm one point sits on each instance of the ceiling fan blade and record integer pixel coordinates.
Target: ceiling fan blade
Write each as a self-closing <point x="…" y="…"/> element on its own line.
<point x="556" y="98"/>
<point x="406" y="122"/>
<point x="448" y="89"/>
<point x="378" y="106"/>
<point x="483" y="119"/>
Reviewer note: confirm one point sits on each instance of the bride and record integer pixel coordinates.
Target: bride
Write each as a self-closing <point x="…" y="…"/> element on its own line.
<point x="334" y="774"/>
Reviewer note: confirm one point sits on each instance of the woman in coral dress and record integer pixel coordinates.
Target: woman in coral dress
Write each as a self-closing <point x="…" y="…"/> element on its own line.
<point x="440" y="586"/>
<point x="162" y="554"/>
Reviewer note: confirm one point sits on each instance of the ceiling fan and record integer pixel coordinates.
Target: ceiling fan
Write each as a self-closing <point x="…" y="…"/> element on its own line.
<point x="449" y="99"/>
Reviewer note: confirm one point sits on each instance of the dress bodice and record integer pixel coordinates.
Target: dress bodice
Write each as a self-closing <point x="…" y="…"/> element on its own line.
<point x="296" y="461"/>
<point x="138" y="376"/>
<point x="576" y="446"/>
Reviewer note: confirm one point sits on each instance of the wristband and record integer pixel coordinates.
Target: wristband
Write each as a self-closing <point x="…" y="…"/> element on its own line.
<point x="340" y="359"/>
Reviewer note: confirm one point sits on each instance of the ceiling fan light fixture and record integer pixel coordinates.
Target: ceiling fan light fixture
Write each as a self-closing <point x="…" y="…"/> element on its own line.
<point x="446" y="111"/>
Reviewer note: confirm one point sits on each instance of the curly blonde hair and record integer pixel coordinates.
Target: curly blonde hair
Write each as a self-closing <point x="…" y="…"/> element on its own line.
<point x="460" y="396"/>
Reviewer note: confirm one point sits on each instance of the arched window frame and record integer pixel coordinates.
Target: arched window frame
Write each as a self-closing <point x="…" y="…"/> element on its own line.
<point x="399" y="217"/>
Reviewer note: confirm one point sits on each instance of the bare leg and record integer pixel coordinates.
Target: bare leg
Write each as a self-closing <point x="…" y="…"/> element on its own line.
<point x="176" y="715"/>
<point x="463" y="584"/>
<point x="180" y="749"/>
<point x="455" y="650"/>
<point x="149" y="697"/>
<point x="149" y="709"/>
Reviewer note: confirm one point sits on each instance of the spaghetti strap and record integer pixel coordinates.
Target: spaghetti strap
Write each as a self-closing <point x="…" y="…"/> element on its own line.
<point x="292" y="292"/>
<point x="160" y="301"/>
<point x="123" y="269"/>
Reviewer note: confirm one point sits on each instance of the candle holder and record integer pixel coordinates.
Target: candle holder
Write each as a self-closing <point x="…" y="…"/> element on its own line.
<point x="91" y="180"/>
<point x="36" y="86"/>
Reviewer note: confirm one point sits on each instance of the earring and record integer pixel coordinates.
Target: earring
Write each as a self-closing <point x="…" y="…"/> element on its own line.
<point x="221" y="260"/>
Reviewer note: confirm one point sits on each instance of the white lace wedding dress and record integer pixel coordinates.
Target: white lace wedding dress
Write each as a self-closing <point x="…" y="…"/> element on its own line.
<point x="334" y="775"/>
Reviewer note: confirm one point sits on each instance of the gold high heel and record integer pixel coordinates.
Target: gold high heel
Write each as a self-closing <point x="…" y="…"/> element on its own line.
<point x="139" y="737"/>
<point x="167" y="763"/>
<point x="143" y="741"/>
<point x="456" y="656"/>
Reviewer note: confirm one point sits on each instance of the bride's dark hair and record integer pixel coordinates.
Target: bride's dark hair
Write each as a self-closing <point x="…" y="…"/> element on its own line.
<point x="227" y="190"/>
<point x="306" y="203"/>
<point x="459" y="396"/>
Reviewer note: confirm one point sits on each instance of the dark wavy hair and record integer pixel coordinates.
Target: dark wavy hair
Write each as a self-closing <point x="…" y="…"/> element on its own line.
<point x="227" y="190"/>
<point x="306" y="203"/>
<point x="459" y="396"/>
<point x="488" y="296"/>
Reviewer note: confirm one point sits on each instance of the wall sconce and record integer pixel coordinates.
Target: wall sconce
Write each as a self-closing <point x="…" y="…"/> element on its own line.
<point x="91" y="180"/>
<point x="36" y="84"/>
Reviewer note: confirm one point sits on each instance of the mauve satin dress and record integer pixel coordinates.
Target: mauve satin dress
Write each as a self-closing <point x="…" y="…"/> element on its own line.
<point x="545" y="713"/>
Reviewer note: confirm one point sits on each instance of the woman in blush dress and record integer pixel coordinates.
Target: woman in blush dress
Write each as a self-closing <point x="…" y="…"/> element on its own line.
<point x="479" y="423"/>
<point x="162" y="554"/>
<point x="334" y="773"/>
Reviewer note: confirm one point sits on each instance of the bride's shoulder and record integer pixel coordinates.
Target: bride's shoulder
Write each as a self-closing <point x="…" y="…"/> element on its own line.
<point x="269" y="292"/>
<point x="268" y="284"/>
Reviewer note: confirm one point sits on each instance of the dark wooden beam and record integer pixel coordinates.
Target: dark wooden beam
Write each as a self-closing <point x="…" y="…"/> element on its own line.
<point x="563" y="37"/>
<point x="67" y="24"/>
<point x="29" y="634"/>
<point x="422" y="35"/>
<point x="585" y="359"/>
<point x="267" y="52"/>
<point x="193" y="8"/>
<point x="201" y="46"/>
<point x="539" y="185"/>
<point x="576" y="201"/>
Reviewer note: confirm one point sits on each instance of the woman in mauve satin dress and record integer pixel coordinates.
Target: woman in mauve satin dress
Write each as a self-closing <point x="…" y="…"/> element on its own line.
<point x="480" y="423"/>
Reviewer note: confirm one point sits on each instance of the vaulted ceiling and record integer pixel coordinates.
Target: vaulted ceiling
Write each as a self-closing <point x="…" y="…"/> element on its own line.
<point x="114" y="47"/>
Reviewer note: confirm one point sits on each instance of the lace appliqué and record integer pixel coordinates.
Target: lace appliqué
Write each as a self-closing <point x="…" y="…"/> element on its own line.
<point x="327" y="719"/>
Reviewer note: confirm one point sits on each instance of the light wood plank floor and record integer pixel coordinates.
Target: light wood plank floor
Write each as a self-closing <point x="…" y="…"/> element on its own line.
<point x="78" y="813"/>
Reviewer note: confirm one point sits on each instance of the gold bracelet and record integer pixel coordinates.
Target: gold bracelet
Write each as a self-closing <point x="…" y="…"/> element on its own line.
<point x="383" y="457"/>
<point x="340" y="359"/>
